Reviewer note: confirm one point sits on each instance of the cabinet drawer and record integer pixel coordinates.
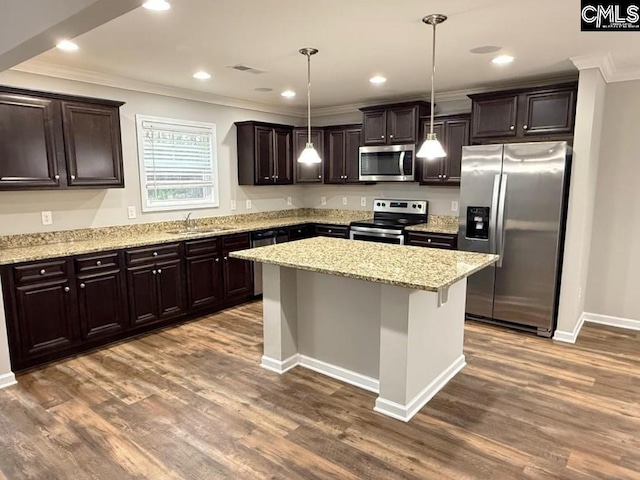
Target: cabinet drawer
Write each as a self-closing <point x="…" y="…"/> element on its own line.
<point x="300" y="231"/>
<point x="201" y="247"/>
<point x="433" y="240"/>
<point x="40" y="272"/>
<point x="337" y="231"/>
<point x="96" y="263"/>
<point x="235" y="242"/>
<point x="151" y="254"/>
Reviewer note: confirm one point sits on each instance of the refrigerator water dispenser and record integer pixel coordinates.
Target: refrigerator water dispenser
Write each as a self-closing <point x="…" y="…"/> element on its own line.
<point x="478" y="223"/>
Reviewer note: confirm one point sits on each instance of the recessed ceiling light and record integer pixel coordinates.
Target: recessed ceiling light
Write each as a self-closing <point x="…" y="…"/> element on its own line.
<point x="202" y="76"/>
<point x="485" y="49"/>
<point x="67" y="46"/>
<point x="288" y="94"/>
<point x="502" y="59"/>
<point x="157" y="5"/>
<point x="377" y="80"/>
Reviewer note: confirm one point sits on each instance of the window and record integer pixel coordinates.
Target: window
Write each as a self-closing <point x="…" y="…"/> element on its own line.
<point x="178" y="164"/>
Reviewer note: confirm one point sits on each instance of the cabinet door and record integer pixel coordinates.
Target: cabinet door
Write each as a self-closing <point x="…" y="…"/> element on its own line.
<point x="335" y="156"/>
<point x="204" y="282"/>
<point x="308" y="173"/>
<point x="402" y="125"/>
<point x="374" y="125"/>
<point x="143" y="295"/>
<point x="46" y="318"/>
<point x="495" y="117"/>
<point x="432" y="170"/>
<point x="171" y="297"/>
<point x="237" y="274"/>
<point x="93" y="145"/>
<point x="264" y="155"/>
<point x="456" y="136"/>
<point x="353" y="138"/>
<point x="28" y="153"/>
<point x="548" y="113"/>
<point x="283" y="160"/>
<point x="101" y="301"/>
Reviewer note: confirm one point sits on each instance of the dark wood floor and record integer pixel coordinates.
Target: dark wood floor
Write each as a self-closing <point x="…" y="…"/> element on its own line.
<point x="192" y="403"/>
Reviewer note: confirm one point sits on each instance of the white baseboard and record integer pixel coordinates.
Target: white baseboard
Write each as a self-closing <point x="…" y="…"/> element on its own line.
<point x="280" y="366"/>
<point x="570" y="337"/>
<point x="7" y="380"/>
<point x="406" y="412"/>
<point x="347" y="376"/>
<point x="628" y="323"/>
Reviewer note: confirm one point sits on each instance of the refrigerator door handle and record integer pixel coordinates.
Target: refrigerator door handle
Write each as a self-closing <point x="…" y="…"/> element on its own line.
<point x="500" y="226"/>
<point x="492" y="214"/>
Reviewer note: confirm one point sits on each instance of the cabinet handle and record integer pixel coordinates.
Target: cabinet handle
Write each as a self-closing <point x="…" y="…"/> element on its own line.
<point x="512" y="127"/>
<point x="428" y="240"/>
<point x="82" y="285"/>
<point x="98" y="263"/>
<point x="67" y="289"/>
<point x="43" y="271"/>
<point x="154" y="272"/>
<point x="226" y="258"/>
<point x="217" y="259"/>
<point x="57" y="177"/>
<point x="525" y="127"/>
<point x="155" y="254"/>
<point x="73" y="177"/>
<point x="319" y="176"/>
<point x="390" y="136"/>
<point x="159" y="271"/>
<point x="266" y="178"/>
<point x="381" y="136"/>
<point x="330" y="230"/>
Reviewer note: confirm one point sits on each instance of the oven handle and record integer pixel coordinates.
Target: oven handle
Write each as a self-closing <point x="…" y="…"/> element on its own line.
<point x="400" y="238"/>
<point x="375" y="230"/>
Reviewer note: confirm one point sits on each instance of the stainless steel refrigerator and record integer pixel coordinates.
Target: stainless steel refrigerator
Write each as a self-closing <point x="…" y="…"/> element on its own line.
<point x="513" y="202"/>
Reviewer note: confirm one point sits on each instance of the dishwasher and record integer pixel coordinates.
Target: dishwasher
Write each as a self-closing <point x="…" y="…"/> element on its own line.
<point x="260" y="239"/>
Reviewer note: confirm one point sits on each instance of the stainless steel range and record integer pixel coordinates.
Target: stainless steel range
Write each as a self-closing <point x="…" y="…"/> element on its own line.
<point x="390" y="217"/>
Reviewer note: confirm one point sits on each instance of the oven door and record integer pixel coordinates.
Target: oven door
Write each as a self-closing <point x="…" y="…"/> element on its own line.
<point x="391" y="163"/>
<point x="376" y="235"/>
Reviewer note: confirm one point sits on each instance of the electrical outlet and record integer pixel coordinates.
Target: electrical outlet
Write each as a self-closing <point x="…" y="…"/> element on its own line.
<point x="454" y="205"/>
<point x="363" y="201"/>
<point x="234" y="205"/>
<point x="131" y="210"/>
<point x="289" y="201"/>
<point x="249" y="206"/>
<point x="47" y="218"/>
<point x="323" y="200"/>
<point x="344" y="200"/>
<point x="580" y="294"/>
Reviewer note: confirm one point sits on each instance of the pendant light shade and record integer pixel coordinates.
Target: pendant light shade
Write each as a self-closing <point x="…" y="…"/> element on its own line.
<point x="309" y="154"/>
<point x="432" y="149"/>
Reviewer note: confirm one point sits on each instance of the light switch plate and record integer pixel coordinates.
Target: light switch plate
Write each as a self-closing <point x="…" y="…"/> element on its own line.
<point x="249" y="206"/>
<point x="131" y="211"/>
<point x="344" y="200"/>
<point x="363" y="201"/>
<point x="234" y="205"/>
<point x="47" y="218"/>
<point x="289" y="201"/>
<point x="454" y="205"/>
<point x="323" y="200"/>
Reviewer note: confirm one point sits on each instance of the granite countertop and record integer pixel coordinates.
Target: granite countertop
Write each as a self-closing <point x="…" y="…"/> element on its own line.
<point x="137" y="239"/>
<point x="420" y="268"/>
<point x="433" y="227"/>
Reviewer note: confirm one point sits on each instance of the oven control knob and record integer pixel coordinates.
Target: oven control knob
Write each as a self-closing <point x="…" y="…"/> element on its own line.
<point x="415" y="206"/>
<point x="384" y="204"/>
<point x="419" y="206"/>
<point x="378" y="204"/>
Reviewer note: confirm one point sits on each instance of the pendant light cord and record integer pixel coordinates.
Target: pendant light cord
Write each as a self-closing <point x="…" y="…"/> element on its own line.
<point x="308" y="98"/>
<point x="433" y="76"/>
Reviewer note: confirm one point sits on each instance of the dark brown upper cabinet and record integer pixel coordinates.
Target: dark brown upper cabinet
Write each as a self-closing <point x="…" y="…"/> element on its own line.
<point x="51" y="141"/>
<point x="393" y="124"/>
<point x="341" y="157"/>
<point x="264" y="153"/>
<point x="453" y="132"/>
<point x="308" y="173"/>
<point x="536" y="113"/>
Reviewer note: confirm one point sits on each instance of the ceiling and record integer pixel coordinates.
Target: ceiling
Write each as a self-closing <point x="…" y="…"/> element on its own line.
<point x="356" y="38"/>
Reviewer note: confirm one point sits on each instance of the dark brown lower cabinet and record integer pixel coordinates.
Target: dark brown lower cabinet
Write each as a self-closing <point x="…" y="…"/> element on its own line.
<point x="171" y="287"/>
<point x="335" y="231"/>
<point x="204" y="282"/>
<point x="238" y="274"/>
<point x="101" y="301"/>
<point x="433" y="240"/>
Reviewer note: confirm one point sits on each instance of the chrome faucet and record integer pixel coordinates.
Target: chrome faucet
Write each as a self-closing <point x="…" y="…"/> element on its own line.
<point x="189" y="223"/>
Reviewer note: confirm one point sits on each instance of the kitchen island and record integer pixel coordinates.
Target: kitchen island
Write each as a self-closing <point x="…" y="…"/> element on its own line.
<point x="386" y="318"/>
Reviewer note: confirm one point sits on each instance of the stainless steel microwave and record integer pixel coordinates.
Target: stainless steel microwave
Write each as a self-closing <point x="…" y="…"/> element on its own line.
<point x="388" y="163"/>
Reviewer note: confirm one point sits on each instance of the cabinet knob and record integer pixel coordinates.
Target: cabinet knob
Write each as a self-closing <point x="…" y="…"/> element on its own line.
<point x="525" y="127"/>
<point x="98" y="263"/>
<point x="154" y="272"/>
<point x="155" y="254"/>
<point x="57" y="177"/>
<point x="428" y="240"/>
<point x="67" y="289"/>
<point x="217" y="259"/>
<point x="73" y="177"/>
<point x="159" y="271"/>
<point x="330" y="230"/>
<point x="43" y="271"/>
<point x="82" y="285"/>
<point x="381" y="136"/>
<point x="226" y="258"/>
<point x="319" y="176"/>
<point x="266" y="178"/>
<point x="512" y="127"/>
<point x="390" y="136"/>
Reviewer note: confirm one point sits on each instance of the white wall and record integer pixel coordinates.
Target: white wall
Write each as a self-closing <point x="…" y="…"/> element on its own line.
<point x="588" y="130"/>
<point x="20" y="211"/>
<point x="614" y="266"/>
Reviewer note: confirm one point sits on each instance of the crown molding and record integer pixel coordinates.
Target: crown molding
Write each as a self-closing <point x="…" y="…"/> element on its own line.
<point x="607" y="67"/>
<point x="79" y="75"/>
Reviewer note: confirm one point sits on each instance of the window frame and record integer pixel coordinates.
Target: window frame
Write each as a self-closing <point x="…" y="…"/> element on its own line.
<point x="214" y="203"/>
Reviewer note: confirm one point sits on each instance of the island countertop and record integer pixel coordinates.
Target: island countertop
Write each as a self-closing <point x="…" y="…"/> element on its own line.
<point x="420" y="268"/>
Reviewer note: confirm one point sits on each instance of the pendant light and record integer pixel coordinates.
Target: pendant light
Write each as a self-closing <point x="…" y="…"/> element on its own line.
<point x="309" y="154"/>
<point x="432" y="148"/>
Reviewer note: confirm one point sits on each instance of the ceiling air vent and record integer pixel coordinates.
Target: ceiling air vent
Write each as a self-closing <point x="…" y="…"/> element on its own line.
<point x="245" y="68"/>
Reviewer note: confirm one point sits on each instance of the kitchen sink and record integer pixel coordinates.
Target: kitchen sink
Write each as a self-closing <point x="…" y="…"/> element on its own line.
<point x="197" y="231"/>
